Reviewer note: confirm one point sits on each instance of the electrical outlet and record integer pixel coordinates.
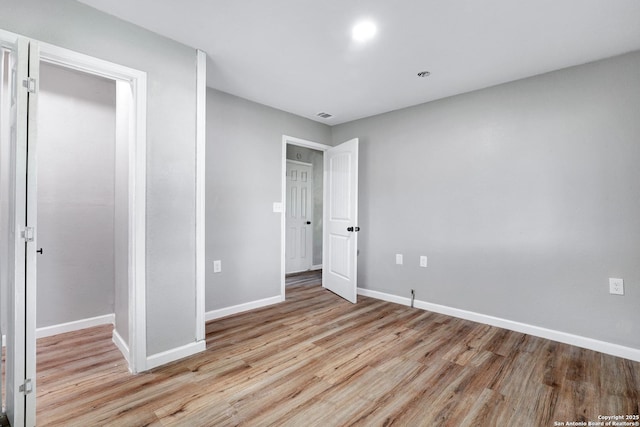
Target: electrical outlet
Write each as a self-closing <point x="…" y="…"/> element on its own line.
<point x="616" y="286"/>
<point x="217" y="266"/>
<point x="399" y="260"/>
<point x="423" y="261"/>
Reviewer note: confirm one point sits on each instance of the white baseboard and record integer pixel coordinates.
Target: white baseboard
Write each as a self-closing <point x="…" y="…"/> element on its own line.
<point x="316" y="267"/>
<point x="563" y="337"/>
<point x="122" y="345"/>
<point x="62" y="328"/>
<point x="174" y="354"/>
<point x="240" y="308"/>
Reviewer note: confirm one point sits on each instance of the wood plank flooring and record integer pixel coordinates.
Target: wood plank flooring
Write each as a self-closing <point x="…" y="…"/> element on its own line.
<point x="316" y="360"/>
<point x="311" y="278"/>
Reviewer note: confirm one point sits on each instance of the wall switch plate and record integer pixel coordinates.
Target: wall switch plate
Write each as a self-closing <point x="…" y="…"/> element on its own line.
<point x="399" y="259"/>
<point x="277" y="207"/>
<point x="217" y="266"/>
<point x="616" y="286"/>
<point x="423" y="261"/>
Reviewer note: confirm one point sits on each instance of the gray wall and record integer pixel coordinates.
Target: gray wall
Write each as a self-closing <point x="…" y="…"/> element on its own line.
<point x="525" y="197"/>
<point x="75" y="196"/>
<point x="171" y="123"/>
<point x="316" y="158"/>
<point x="244" y="166"/>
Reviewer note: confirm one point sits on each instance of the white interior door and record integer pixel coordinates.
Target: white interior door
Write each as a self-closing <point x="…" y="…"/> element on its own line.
<point x="299" y="217"/>
<point x="20" y="353"/>
<point x="340" y="235"/>
<point x="31" y="244"/>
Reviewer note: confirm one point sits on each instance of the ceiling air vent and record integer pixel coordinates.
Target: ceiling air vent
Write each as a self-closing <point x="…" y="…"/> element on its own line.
<point x="324" y="115"/>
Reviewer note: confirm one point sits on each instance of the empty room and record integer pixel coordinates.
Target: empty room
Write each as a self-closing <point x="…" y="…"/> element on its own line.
<point x="289" y="213"/>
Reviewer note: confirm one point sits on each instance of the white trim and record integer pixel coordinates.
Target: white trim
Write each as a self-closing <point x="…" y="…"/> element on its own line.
<point x="87" y="64"/>
<point x="288" y="273"/>
<point x="122" y="345"/>
<point x="563" y="337"/>
<point x="8" y="39"/>
<point x="174" y="354"/>
<point x="303" y="143"/>
<point x="298" y="162"/>
<point x="76" y="325"/>
<point x="201" y="121"/>
<point x="283" y="197"/>
<point x="384" y="296"/>
<point x="241" y="308"/>
<point x="316" y="267"/>
<point x="138" y="224"/>
<point x="137" y="184"/>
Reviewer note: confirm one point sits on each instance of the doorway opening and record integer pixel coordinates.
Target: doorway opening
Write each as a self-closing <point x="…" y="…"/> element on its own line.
<point x="303" y="209"/>
<point x="129" y="170"/>
<point x="302" y="197"/>
<point x="81" y="204"/>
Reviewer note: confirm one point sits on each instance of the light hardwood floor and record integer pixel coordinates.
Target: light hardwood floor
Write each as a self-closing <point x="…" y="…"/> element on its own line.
<point x="316" y="360"/>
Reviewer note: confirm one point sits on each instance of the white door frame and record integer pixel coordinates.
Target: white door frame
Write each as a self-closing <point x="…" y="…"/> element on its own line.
<point x="290" y="140"/>
<point x="136" y="80"/>
<point x="201" y="143"/>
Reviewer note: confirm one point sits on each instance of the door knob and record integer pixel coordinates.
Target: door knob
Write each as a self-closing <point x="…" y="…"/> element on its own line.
<point x="39" y="251"/>
<point x="352" y="229"/>
<point x="308" y="222"/>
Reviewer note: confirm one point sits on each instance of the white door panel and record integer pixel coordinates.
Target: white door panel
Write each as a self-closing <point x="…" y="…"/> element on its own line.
<point x="16" y="369"/>
<point x="31" y="254"/>
<point x="341" y="220"/>
<point x="299" y="217"/>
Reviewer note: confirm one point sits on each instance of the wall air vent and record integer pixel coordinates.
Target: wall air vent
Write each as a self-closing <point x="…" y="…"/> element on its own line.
<point x="324" y="115"/>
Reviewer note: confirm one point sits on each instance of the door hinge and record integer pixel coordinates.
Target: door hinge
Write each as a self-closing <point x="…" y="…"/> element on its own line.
<point x="28" y="234"/>
<point x="26" y="387"/>
<point x="30" y="84"/>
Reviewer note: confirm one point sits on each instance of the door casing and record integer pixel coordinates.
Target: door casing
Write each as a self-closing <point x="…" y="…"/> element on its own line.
<point x="135" y="81"/>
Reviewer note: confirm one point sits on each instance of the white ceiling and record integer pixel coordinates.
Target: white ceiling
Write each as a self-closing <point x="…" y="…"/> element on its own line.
<point x="297" y="55"/>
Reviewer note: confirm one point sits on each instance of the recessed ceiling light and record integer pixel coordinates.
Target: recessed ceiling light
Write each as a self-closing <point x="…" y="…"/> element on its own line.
<point x="363" y="31"/>
<point x="424" y="74"/>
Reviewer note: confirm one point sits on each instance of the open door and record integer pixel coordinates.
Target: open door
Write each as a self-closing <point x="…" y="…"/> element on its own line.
<point x="20" y="353"/>
<point x="340" y="236"/>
